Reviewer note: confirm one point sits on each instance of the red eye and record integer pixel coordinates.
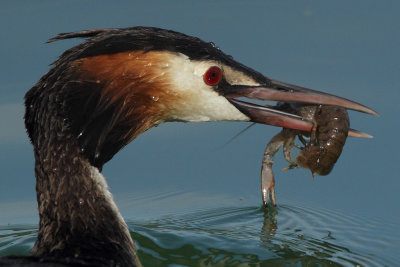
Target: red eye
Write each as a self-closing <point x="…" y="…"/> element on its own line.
<point x="212" y="76"/>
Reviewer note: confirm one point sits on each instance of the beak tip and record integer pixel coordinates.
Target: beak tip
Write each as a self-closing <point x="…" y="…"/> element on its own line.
<point x="359" y="134"/>
<point x="370" y="111"/>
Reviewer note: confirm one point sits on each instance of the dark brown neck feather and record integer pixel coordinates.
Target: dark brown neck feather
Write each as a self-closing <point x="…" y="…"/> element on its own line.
<point x="78" y="218"/>
<point x="75" y="128"/>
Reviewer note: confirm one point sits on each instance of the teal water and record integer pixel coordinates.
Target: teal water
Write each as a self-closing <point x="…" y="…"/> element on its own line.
<point x="248" y="236"/>
<point x="188" y="199"/>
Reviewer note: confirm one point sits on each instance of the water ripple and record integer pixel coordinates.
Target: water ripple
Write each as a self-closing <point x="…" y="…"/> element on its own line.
<point x="290" y="235"/>
<point x="249" y="236"/>
<point x="17" y="239"/>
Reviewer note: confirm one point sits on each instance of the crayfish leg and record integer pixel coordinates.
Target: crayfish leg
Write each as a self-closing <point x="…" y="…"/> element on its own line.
<point x="267" y="174"/>
<point x="288" y="148"/>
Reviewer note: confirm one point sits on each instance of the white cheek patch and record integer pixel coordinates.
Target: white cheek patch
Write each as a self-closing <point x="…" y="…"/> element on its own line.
<point x="196" y="101"/>
<point x="200" y="67"/>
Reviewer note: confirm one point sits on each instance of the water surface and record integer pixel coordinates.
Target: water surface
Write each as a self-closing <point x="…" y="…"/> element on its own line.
<point x="247" y="236"/>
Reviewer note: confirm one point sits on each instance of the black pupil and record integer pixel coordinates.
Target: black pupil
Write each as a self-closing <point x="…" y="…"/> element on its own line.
<point x="213" y="75"/>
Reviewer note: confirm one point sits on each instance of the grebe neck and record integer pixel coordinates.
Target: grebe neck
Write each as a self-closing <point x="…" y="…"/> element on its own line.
<point x="78" y="216"/>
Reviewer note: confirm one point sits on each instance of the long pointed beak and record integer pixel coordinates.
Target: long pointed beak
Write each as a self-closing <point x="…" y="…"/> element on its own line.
<point x="284" y="92"/>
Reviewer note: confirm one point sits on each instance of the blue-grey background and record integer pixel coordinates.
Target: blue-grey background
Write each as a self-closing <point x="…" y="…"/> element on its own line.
<point x="347" y="48"/>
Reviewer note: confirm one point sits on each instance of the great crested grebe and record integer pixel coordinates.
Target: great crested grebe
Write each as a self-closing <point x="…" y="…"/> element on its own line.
<point x="100" y="95"/>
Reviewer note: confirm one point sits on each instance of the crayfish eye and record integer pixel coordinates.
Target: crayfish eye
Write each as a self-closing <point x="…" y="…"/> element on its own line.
<point x="212" y="76"/>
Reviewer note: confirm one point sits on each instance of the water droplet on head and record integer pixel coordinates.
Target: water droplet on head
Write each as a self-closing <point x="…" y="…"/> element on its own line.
<point x="155" y="98"/>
